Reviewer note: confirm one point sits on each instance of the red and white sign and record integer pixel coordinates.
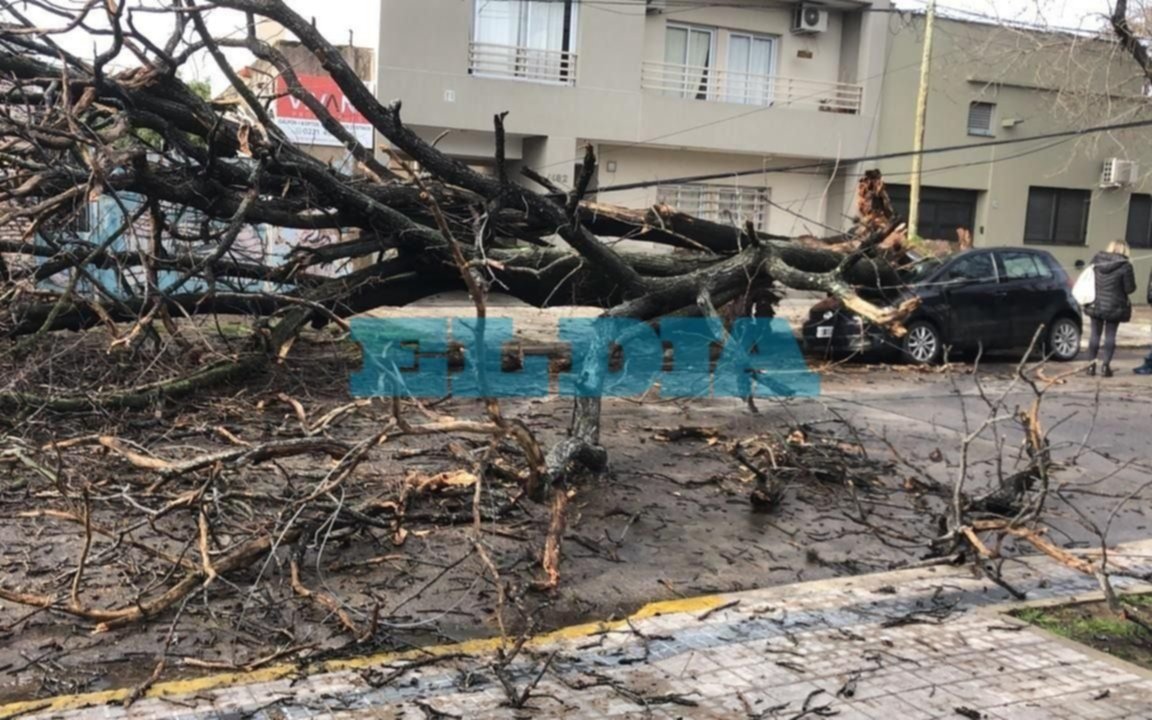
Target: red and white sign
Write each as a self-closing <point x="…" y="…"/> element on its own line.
<point x="302" y="127"/>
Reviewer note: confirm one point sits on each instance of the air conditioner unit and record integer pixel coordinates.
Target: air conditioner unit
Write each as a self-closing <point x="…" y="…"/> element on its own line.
<point x="809" y="19"/>
<point x="1118" y="173"/>
<point x="656" y="7"/>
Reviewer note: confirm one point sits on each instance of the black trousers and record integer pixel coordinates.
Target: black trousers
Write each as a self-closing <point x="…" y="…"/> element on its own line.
<point x="1108" y="329"/>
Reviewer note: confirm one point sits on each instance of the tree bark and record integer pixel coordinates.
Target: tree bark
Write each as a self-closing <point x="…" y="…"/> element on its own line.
<point x="74" y="131"/>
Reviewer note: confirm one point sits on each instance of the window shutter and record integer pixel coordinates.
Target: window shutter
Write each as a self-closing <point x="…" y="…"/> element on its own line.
<point x="980" y="118"/>
<point x="1038" y="219"/>
<point x="1071" y="217"/>
<point x="1139" y="233"/>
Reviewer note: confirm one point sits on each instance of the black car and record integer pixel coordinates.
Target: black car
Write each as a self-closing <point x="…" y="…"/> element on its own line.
<point x="987" y="299"/>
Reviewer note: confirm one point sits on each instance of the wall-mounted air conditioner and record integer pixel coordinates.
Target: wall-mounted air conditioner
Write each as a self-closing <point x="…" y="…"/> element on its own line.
<point x="1118" y="172"/>
<point x="809" y="19"/>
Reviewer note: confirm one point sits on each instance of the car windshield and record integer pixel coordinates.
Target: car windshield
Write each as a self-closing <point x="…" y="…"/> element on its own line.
<point x="920" y="270"/>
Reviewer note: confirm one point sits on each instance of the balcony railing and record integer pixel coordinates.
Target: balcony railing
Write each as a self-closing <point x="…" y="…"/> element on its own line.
<point x="521" y="63"/>
<point x="702" y="83"/>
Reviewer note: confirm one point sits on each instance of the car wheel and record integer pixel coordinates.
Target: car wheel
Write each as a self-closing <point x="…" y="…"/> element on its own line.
<point x="923" y="344"/>
<point x="1063" y="342"/>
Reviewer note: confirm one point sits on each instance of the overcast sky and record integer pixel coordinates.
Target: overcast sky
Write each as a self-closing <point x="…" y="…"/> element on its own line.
<point x="1078" y="14"/>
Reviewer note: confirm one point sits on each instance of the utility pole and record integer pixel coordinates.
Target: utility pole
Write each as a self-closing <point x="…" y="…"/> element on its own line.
<point x="921" y="115"/>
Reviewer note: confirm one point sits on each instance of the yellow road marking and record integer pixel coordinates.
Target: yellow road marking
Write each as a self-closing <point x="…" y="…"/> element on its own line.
<point x="272" y="673"/>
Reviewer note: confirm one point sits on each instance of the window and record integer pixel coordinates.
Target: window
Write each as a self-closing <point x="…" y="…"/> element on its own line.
<point x="1056" y="216"/>
<point x="1139" y="233"/>
<point x="751" y="63"/>
<point x="688" y="53"/>
<point x="187" y="222"/>
<point x="980" y="118"/>
<point x="973" y="268"/>
<point x="728" y="205"/>
<point x="1023" y="266"/>
<point x="532" y="39"/>
<point x="79" y="221"/>
<point x="943" y="211"/>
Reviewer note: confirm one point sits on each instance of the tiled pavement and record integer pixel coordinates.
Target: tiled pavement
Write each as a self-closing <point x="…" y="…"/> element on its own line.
<point x="927" y="643"/>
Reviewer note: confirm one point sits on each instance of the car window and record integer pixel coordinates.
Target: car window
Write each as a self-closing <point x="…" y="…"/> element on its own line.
<point x="974" y="268"/>
<point x="920" y="270"/>
<point x="1023" y="266"/>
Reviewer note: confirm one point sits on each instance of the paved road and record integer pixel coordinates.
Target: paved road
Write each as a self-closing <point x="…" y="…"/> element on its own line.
<point x="681" y="534"/>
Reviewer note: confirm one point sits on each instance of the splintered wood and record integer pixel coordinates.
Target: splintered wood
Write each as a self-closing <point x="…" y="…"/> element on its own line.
<point x="552" y="545"/>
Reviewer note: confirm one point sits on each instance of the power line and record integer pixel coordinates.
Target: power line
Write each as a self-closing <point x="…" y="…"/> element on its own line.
<point x="823" y="164"/>
<point x="884" y="74"/>
<point x="755" y="111"/>
<point x="783" y="205"/>
<point x="952" y="12"/>
<point x="963" y="14"/>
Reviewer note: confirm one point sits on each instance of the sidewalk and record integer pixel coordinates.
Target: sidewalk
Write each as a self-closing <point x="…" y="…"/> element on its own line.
<point x="906" y="645"/>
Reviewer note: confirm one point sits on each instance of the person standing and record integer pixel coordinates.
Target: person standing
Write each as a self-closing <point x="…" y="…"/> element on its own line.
<point x="1115" y="281"/>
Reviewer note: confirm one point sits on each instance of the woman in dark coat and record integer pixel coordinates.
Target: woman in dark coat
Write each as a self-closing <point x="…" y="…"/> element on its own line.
<point x="1115" y="281"/>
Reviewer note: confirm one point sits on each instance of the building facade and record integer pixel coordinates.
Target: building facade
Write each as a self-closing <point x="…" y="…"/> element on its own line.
<point x="771" y="90"/>
<point x="660" y="89"/>
<point x="1069" y="195"/>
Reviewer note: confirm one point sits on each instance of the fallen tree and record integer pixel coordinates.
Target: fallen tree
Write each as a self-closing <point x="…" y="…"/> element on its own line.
<point x="74" y="130"/>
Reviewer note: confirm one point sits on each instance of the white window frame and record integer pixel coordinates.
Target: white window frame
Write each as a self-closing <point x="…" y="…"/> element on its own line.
<point x="710" y="69"/>
<point x="522" y="31"/>
<point x="773" y="63"/>
<point x="520" y="47"/>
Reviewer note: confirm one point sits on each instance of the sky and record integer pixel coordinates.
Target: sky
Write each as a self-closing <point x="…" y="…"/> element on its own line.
<point x="1064" y="14"/>
<point x="335" y="18"/>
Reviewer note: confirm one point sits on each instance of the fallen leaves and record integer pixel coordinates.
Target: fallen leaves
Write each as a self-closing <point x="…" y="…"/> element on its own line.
<point x="452" y="480"/>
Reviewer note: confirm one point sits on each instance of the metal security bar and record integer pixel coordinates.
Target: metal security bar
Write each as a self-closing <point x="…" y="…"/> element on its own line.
<point x="720" y="203"/>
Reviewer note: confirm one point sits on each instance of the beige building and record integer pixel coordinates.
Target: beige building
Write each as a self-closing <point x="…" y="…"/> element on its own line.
<point x="781" y="92"/>
<point x="1070" y="195"/>
<point x="660" y="88"/>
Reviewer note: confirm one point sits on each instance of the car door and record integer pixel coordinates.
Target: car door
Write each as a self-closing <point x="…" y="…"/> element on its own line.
<point x="976" y="313"/>
<point x="1025" y="286"/>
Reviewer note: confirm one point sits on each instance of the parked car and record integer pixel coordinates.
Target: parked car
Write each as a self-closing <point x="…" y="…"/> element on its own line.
<point x="987" y="298"/>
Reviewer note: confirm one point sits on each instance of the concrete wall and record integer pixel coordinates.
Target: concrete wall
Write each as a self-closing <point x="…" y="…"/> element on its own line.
<point x="1049" y="83"/>
<point x="423" y="60"/>
<point x="799" y="201"/>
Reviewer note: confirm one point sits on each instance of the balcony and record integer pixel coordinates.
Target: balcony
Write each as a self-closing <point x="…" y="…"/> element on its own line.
<point x="715" y="85"/>
<point x="510" y="62"/>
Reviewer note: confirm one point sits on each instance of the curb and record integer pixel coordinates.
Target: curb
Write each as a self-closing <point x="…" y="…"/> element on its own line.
<point x="918" y="581"/>
<point x="221" y="681"/>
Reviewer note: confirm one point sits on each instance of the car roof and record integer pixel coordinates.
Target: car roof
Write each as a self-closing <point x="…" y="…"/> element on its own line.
<point x="999" y="249"/>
